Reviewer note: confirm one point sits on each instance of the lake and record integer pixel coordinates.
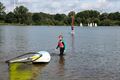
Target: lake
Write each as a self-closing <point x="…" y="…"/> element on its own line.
<point x="91" y="53"/>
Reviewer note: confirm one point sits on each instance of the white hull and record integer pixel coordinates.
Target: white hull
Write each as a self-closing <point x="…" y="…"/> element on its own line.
<point x="44" y="58"/>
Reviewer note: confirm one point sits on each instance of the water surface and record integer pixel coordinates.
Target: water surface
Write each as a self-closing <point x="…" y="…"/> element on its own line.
<point x="91" y="54"/>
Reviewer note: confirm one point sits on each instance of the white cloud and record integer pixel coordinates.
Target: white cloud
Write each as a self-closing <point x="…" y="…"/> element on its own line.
<point x="64" y="6"/>
<point x="27" y="1"/>
<point x="97" y="5"/>
<point x="102" y="1"/>
<point x="113" y="0"/>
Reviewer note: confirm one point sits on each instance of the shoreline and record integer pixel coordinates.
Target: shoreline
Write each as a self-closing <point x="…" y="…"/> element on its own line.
<point x="15" y="24"/>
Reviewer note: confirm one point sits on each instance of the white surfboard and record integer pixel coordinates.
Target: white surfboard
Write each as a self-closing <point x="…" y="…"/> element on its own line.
<point x="45" y="57"/>
<point x="41" y="56"/>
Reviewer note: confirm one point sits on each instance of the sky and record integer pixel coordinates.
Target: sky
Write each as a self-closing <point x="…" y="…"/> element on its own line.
<point x="64" y="6"/>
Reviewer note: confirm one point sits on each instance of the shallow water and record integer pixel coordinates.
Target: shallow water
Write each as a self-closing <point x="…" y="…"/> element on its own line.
<point x="91" y="54"/>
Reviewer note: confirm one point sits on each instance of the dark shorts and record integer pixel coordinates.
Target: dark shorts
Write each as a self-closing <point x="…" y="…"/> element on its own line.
<point x="61" y="51"/>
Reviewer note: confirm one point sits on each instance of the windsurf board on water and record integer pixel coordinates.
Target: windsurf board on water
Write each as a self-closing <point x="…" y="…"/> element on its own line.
<point x="41" y="56"/>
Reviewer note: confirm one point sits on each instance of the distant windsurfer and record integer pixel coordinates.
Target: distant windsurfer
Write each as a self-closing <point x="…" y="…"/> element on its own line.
<point x="72" y="27"/>
<point x="61" y="45"/>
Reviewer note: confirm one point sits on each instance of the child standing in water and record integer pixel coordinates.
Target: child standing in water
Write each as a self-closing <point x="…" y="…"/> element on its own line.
<point x="61" y="45"/>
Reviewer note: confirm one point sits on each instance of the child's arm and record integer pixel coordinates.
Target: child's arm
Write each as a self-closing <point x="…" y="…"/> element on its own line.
<point x="57" y="46"/>
<point x="64" y="45"/>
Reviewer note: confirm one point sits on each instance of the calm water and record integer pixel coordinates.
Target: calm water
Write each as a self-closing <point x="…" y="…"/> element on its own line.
<point x="91" y="54"/>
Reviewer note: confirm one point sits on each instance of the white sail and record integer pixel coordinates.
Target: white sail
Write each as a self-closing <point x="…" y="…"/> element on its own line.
<point x="91" y="25"/>
<point x="88" y="24"/>
<point x="95" y="24"/>
<point x="81" y="24"/>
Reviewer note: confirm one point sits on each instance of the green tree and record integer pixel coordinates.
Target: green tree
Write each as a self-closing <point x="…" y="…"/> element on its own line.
<point x="59" y="17"/>
<point x="10" y="18"/>
<point x="43" y="19"/>
<point x="114" y="16"/>
<point x="71" y="13"/>
<point x="67" y="20"/>
<point x="2" y="8"/>
<point x="96" y="20"/>
<point x="28" y="18"/>
<point x="78" y="20"/>
<point x="106" y="22"/>
<point x="103" y="16"/>
<point x="88" y="14"/>
<point x="46" y="19"/>
<point x="117" y="23"/>
<point x="2" y="12"/>
<point x="22" y="14"/>
<point x="36" y="18"/>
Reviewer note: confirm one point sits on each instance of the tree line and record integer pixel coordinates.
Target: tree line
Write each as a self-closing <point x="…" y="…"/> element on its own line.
<point x="21" y="15"/>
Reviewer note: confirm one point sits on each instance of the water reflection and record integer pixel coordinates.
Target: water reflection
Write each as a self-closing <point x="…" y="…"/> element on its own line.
<point x="61" y="66"/>
<point x="21" y="40"/>
<point x="1" y="40"/>
<point x="72" y="43"/>
<point x="13" y="40"/>
<point x="23" y="71"/>
<point x="61" y="61"/>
